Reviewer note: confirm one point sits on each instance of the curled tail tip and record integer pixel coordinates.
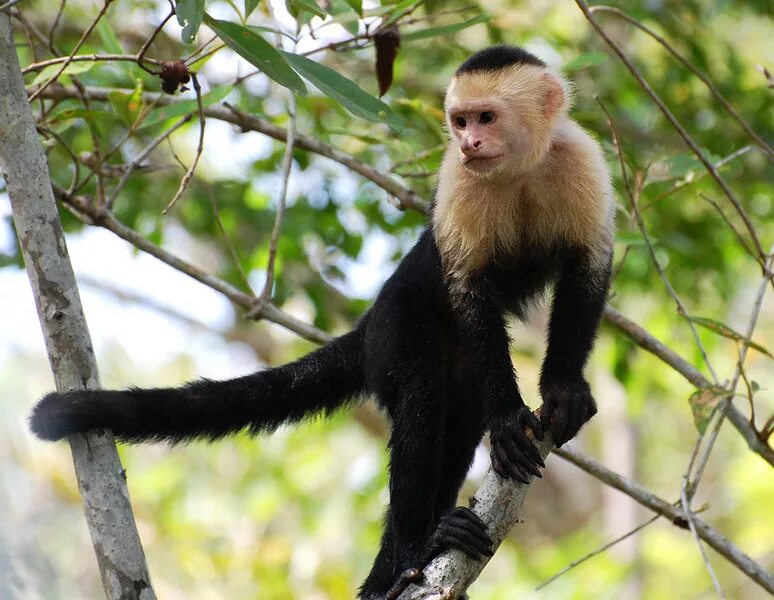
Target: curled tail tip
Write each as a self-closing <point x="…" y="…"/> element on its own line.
<point x="48" y="420"/>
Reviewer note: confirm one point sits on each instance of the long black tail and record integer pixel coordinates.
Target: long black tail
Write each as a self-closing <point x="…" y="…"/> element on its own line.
<point x="322" y="381"/>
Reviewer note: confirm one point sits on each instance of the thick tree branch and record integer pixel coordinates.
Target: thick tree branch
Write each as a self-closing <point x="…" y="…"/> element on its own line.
<point x="101" y="478"/>
<point x="498" y="503"/>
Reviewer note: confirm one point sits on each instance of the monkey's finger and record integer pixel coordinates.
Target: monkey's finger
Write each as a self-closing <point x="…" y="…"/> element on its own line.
<point x="516" y="455"/>
<point x="475" y="529"/>
<point x="463" y="544"/>
<point x="559" y="425"/>
<point x="527" y="447"/>
<point x="531" y="421"/>
<point x="523" y="452"/>
<point x="546" y="412"/>
<point x="451" y="534"/>
<point x="510" y="470"/>
<point x="463" y="512"/>
<point x="497" y="466"/>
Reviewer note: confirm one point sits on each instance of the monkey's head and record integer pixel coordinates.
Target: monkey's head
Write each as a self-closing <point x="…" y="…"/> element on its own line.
<point x="501" y="107"/>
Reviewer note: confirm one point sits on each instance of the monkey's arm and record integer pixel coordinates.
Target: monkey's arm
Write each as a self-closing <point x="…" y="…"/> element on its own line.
<point x="486" y="346"/>
<point x="579" y="298"/>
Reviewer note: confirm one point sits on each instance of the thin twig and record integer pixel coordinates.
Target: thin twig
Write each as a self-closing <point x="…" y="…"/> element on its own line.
<point x="584" y="7"/>
<point x="287" y="163"/>
<point x="142" y="156"/>
<point x="767" y="150"/>
<point x="38" y="66"/>
<point x="231" y="250"/>
<point x="77" y="47"/>
<point x="731" y="226"/>
<point x="199" y="148"/>
<point x="54" y="27"/>
<point x="141" y="53"/>
<point x="711" y="536"/>
<point x="597" y="552"/>
<point x="633" y="205"/>
<point x="724" y="405"/>
<point x="685" y="503"/>
<point x="686" y="181"/>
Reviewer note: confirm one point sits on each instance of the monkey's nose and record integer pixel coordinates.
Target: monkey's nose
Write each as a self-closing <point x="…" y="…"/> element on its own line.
<point x="471" y="147"/>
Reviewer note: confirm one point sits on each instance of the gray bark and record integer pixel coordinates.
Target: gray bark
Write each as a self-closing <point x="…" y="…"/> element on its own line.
<point x="498" y="503"/>
<point x="101" y="478"/>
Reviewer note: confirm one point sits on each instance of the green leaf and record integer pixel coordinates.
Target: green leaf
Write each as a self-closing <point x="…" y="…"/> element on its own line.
<point x="189" y="16"/>
<point x="253" y="48"/>
<point x="727" y="332"/>
<point x="309" y="6"/>
<point x="356" y="5"/>
<point x="703" y="404"/>
<point x="590" y="59"/>
<point x="345" y="91"/>
<point x="444" y="29"/>
<point x="183" y="107"/>
<point x="109" y="38"/>
<point x="128" y="107"/>
<point x="74" y="68"/>
<point x="250" y="7"/>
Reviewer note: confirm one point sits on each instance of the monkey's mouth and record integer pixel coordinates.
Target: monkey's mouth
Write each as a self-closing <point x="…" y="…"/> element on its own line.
<point x="479" y="162"/>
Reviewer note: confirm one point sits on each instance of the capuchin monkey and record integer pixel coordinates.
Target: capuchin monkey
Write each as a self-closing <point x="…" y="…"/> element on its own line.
<point x="523" y="203"/>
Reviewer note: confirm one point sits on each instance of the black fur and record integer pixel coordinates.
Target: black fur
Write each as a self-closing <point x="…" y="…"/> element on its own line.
<point x="437" y="361"/>
<point x="498" y="57"/>
<point x="435" y="354"/>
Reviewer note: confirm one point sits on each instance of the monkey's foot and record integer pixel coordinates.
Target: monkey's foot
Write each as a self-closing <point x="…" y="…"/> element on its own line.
<point x="464" y="530"/>
<point x="406" y="578"/>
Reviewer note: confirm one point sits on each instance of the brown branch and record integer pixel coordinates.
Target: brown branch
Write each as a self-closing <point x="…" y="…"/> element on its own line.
<point x="39" y="66"/>
<point x="84" y="209"/>
<point x="406" y="198"/>
<point x="647" y="342"/>
<point x="649" y="500"/>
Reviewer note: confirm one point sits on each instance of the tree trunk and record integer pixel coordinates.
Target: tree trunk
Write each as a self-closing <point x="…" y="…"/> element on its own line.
<point x="101" y="478"/>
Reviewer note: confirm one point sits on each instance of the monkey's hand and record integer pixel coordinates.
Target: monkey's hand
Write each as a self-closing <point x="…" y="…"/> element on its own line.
<point x="513" y="453"/>
<point x="567" y="405"/>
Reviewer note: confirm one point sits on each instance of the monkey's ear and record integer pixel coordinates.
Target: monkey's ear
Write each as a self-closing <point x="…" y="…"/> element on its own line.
<point x="553" y="98"/>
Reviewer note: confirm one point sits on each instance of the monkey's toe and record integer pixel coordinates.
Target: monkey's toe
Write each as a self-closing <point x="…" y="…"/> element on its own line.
<point x="463" y="530"/>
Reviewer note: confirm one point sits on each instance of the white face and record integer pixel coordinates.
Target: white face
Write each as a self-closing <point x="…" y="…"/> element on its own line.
<point x="488" y="134"/>
<point x="501" y="121"/>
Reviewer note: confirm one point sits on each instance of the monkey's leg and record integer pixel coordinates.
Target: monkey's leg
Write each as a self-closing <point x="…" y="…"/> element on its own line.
<point x="459" y="527"/>
<point x="416" y="455"/>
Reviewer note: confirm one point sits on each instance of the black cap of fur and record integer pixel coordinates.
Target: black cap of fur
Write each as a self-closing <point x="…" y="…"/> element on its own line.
<point x="498" y="57"/>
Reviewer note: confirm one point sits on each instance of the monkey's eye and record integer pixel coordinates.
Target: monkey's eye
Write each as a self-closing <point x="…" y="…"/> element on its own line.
<point x="460" y="122"/>
<point x="486" y="117"/>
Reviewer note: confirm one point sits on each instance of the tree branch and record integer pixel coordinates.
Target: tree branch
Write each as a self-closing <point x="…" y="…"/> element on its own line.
<point x="101" y="478"/>
<point x="406" y="197"/>
<point x="498" y="503"/>
<point x="649" y="500"/>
